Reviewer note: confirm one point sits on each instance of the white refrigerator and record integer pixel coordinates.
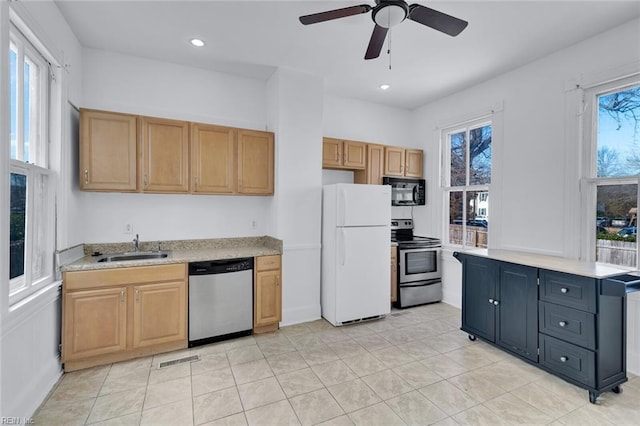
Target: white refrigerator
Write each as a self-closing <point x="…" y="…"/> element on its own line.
<point x="355" y="282"/>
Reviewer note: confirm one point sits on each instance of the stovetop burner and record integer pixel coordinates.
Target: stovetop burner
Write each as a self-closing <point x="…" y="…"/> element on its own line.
<point x="402" y="233"/>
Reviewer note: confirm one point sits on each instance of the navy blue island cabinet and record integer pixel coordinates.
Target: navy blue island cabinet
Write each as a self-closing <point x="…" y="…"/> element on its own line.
<point x="565" y="316"/>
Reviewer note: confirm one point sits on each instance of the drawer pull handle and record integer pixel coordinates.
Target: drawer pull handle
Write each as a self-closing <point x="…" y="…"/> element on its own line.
<point x="564" y="359"/>
<point x="491" y="301"/>
<point x="564" y="290"/>
<point x="562" y="323"/>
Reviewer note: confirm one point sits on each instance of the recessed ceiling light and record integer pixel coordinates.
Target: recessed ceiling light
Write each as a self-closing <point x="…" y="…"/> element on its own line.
<point x="197" y="42"/>
<point x="384" y="86"/>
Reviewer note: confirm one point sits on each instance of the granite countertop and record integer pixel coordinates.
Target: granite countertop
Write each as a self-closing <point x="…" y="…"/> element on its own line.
<point x="553" y="263"/>
<point x="180" y="251"/>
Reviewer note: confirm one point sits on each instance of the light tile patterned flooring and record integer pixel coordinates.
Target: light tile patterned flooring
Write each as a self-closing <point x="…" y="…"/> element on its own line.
<point x="414" y="367"/>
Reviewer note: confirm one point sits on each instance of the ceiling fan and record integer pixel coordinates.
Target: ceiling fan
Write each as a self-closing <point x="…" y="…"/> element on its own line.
<point x="386" y="14"/>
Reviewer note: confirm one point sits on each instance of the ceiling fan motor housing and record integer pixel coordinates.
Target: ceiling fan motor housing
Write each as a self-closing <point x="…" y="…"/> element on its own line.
<point x="389" y="13"/>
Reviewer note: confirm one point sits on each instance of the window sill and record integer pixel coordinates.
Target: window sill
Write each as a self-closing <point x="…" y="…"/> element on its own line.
<point x="21" y="310"/>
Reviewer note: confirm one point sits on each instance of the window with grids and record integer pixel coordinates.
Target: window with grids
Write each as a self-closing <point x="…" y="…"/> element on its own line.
<point x="467" y="176"/>
<point x="613" y="180"/>
<point x="32" y="218"/>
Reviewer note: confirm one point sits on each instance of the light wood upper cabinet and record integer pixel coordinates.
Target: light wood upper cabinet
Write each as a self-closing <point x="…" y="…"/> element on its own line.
<point x="255" y="162"/>
<point x="374" y="170"/>
<point x="95" y="323"/>
<point x="343" y="154"/>
<point x="331" y="153"/>
<point x="403" y="162"/>
<point x="128" y="153"/>
<point x="159" y="313"/>
<point x="213" y="165"/>
<point x="267" y="294"/>
<point x="413" y="163"/>
<point x="165" y="155"/>
<point x="393" y="161"/>
<point x="108" y="151"/>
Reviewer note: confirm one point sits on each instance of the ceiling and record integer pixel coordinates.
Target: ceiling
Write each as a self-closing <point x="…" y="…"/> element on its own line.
<point x="254" y="38"/>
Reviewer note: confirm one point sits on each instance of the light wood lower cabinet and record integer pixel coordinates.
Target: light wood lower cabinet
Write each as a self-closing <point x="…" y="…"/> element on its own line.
<point x="112" y="315"/>
<point x="95" y="322"/>
<point x="267" y="294"/>
<point x="159" y="313"/>
<point x="394" y="274"/>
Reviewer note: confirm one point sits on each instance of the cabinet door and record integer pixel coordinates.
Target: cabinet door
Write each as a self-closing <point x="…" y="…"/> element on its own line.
<point x="413" y="159"/>
<point x="108" y="151"/>
<point x="517" y="310"/>
<point x="165" y="155"/>
<point x="479" y="281"/>
<point x="393" y="161"/>
<point x="394" y="274"/>
<point x="268" y="298"/>
<point x="159" y="313"/>
<point x="354" y="155"/>
<point x="212" y="159"/>
<point x="331" y="153"/>
<point x="95" y="323"/>
<point x="255" y="162"/>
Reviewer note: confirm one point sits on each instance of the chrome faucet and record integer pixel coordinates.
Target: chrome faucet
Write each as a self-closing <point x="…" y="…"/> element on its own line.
<point x="136" y="243"/>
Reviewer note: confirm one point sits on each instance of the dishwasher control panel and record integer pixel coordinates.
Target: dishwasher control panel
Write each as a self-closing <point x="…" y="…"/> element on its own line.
<point x="220" y="266"/>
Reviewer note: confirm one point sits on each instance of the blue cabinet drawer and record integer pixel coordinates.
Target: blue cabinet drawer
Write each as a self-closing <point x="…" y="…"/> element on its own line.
<point x="568" y="360"/>
<point x="568" y="290"/>
<point x="568" y="324"/>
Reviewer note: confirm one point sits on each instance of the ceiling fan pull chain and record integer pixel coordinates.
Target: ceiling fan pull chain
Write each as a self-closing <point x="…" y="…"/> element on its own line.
<point x="389" y="48"/>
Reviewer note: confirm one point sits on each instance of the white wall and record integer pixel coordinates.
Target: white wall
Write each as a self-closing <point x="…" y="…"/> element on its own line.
<point x="136" y="85"/>
<point x="29" y="334"/>
<point x="295" y="111"/>
<point x="535" y="193"/>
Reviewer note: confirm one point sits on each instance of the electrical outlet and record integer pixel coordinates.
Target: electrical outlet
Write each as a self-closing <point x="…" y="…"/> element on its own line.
<point x="254" y="224"/>
<point x="128" y="228"/>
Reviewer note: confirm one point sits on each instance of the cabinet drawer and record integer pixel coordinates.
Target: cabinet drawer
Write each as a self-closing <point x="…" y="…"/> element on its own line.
<point x="568" y="324"/>
<point x="122" y="276"/>
<point x="568" y="360"/>
<point x="568" y="290"/>
<point x="265" y="263"/>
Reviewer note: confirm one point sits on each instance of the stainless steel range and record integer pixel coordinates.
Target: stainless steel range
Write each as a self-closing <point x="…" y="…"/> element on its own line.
<point x="419" y="274"/>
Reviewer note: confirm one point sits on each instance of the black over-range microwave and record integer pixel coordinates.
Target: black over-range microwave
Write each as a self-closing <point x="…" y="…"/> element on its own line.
<point x="406" y="191"/>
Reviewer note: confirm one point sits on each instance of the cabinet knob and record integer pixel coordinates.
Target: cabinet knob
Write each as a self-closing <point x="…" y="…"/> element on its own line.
<point x="491" y="301"/>
<point x="564" y="359"/>
<point x="145" y="180"/>
<point x="122" y="295"/>
<point x="137" y="295"/>
<point x="86" y="176"/>
<point x="496" y="303"/>
<point x="562" y="323"/>
<point x="564" y="290"/>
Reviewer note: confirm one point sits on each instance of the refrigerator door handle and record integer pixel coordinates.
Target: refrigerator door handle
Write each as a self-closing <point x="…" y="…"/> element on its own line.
<point x="343" y="248"/>
<point x="343" y="207"/>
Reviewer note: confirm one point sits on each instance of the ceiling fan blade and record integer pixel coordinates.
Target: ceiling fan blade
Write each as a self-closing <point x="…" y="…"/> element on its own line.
<point x="376" y="42"/>
<point x="437" y="20"/>
<point x="334" y="14"/>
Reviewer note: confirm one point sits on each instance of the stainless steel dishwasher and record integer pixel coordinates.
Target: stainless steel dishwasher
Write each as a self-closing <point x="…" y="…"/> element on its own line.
<point x="220" y="300"/>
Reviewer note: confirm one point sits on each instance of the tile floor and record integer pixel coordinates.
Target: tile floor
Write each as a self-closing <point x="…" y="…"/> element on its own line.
<point x="414" y="367"/>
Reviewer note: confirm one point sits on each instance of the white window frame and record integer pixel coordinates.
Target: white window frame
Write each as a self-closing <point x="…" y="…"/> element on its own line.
<point x="590" y="181"/>
<point x="41" y="211"/>
<point x="447" y="189"/>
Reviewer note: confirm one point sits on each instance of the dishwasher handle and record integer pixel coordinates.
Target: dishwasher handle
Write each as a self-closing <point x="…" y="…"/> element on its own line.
<point x="225" y="266"/>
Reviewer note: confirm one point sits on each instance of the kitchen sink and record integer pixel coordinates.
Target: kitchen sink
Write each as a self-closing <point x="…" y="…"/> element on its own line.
<point x="135" y="255"/>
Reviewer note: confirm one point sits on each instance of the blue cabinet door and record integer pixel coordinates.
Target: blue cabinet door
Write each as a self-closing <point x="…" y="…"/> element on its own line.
<point x="517" y="310"/>
<point x="479" y="285"/>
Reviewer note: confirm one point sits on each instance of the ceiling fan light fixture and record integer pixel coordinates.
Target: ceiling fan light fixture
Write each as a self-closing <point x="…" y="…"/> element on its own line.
<point x="196" y="42"/>
<point x="390" y="13"/>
